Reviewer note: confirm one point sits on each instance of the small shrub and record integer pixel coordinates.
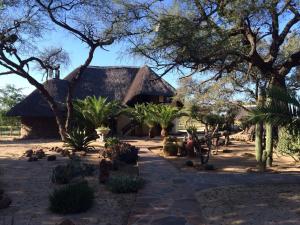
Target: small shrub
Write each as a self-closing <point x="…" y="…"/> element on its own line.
<point x="116" y="150"/>
<point x="128" y="154"/>
<point x="74" y="198"/>
<point x="209" y="167"/>
<point x="189" y="163"/>
<point x="111" y="142"/>
<point x="170" y="149"/>
<point x="125" y="184"/>
<point x="289" y="144"/>
<point x="61" y="174"/>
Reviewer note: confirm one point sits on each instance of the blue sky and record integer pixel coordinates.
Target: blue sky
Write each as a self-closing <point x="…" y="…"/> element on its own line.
<point x="115" y="56"/>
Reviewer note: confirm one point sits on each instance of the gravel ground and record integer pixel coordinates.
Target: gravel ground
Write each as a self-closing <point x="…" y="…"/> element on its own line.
<point x="257" y="204"/>
<point x="29" y="185"/>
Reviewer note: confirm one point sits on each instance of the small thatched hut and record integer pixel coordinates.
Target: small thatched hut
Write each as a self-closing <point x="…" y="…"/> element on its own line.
<point x="128" y="85"/>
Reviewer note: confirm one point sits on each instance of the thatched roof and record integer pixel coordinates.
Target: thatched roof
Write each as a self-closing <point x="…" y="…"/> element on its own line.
<point x="115" y="83"/>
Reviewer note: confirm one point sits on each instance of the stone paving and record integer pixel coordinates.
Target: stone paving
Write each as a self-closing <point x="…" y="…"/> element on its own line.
<point x="169" y="195"/>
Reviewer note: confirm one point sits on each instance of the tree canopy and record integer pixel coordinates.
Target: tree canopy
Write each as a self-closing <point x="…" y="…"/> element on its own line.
<point x="224" y="36"/>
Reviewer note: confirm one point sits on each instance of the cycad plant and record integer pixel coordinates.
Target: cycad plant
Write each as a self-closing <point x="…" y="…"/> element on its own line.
<point x="97" y="110"/>
<point x="136" y="113"/>
<point x="150" y="117"/>
<point x="165" y="115"/>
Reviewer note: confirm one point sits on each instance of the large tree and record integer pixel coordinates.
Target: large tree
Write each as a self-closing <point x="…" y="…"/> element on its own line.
<point x="224" y="36"/>
<point x="26" y="25"/>
<point x="9" y="97"/>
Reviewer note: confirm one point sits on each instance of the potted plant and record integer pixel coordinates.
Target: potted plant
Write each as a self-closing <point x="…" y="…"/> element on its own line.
<point x="102" y="131"/>
<point x="98" y="111"/>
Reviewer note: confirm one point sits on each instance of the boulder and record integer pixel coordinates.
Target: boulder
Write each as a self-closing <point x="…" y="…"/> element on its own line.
<point x="32" y="159"/>
<point x="65" y="153"/>
<point x="227" y="151"/>
<point x="40" y="154"/>
<point x="28" y="153"/>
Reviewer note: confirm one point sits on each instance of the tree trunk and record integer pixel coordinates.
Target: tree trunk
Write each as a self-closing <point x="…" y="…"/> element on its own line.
<point x="69" y="99"/>
<point x="164" y="132"/>
<point x="150" y="132"/>
<point x="53" y="105"/>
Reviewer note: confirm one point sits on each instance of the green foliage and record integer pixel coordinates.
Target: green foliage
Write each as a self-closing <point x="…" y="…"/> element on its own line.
<point x="79" y="139"/>
<point x="153" y="114"/>
<point x="289" y="144"/>
<point x="73" y="198"/>
<point x="125" y="184"/>
<point x="283" y="110"/>
<point x="128" y="153"/>
<point x="150" y="116"/>
<point x="136" y="113"/>
<point x="191" y="130"/>
<point x="170" y="149"/>
<point x="61" y="174"/>
<point x="213" y="119"/>
<point x="97" y="110"/>
<point x="9" y="97"/>
<point x="116" y="150"/>
<point x="111" y="142"/>
<point x="166" y="114"/>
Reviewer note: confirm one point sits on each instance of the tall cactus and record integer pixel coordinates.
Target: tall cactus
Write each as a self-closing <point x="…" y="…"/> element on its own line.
<point x="269" y="144"/>
<point x="259" y="134"/>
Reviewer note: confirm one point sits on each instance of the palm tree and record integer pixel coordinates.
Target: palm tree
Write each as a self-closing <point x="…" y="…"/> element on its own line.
<point x="150" y="117"/>
<point x="136" y="113"/>
<point x="97" y="110"/>
<point x="283" y="111"/>
<point x="165" y="115"/>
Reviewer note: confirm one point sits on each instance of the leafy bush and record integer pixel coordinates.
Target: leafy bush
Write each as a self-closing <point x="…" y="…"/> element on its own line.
<point x="128" y="153"/>
<point x="111" y="142"/>
<point x="170" y="149"/>
<point x="189" y="163"/>
<point x="289" y="144"/>
<point x="79" y="139"/>
<point x="116" y="150"/>
<point x="125" y="184"/>
<point x="74" y="198"/>
<point x="61" y="174"/>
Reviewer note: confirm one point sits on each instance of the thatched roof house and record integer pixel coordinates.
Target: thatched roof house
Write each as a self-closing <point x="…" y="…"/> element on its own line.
<point x="129" y="85"/>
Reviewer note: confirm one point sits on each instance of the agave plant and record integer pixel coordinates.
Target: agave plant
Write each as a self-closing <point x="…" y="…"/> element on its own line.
<point x="283" y="111"/>
<point x="79" y="139"/>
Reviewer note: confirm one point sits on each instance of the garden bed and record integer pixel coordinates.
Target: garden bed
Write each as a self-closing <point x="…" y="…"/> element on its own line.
<point x="29" y="185"/>
<point x="238" y="157"/>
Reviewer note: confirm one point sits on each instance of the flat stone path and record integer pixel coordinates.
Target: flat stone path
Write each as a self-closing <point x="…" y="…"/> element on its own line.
<point x="169" y="194"/>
